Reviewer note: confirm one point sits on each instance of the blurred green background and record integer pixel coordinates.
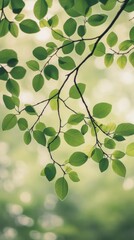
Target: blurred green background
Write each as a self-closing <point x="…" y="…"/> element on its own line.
<point x="100" y="206"/>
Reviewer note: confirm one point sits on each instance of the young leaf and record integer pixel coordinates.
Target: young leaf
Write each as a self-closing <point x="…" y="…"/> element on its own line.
<point x="29" y="26"/>
<point x="74" y="119"/>
<point x="119" y="168"/>
<point x="97" y="19"/>
<point x="38" y="82"/>
<point x="108" y="60"/>
<point x="22" y="124"/>
<point x="9" y="121"/>
<point x="103" y="164"/>
<point x="112" y="39"/>
<point x="53" y="21"/>
<point x="109" y="143"/>
<point x="40" y="53"/>
<point x="131" y="34"/>
<point x="122" y="61"/>
<point x="51" y="71"/>
<point x="54" y="143"/>
<point x="74" y="176"/>
<point x="101" y="110"/>
<point x="74" y="93"/>
<point x="39" y="137"/>
<point x="130" y="149"/>
<point x="61" y="188"/>
<point x="40" y="9"/>
<point x="125" y="45"/>
<point x="125" y="129"/>
<point x="8" y="102"/>
<point x="97" y="155"/>
<point x="19" y="17"/>
<point x="109" y="5"/>
<point x="27" y="137"/>
<point x="78" y="159"/>
<point x="13" y="87"/>
<point x="117" y="154"/>
<point x="131" y="58"/>
<point x="74" y="137"/>
<point x="66" y="63"/>
<point x="70" y="27"/>
<point x="13" y="28"/>
<point x="18" y="72"/>
<point x="50" y="171"/>
<point x="33" y="65"/>
<point x="58" y="34"/>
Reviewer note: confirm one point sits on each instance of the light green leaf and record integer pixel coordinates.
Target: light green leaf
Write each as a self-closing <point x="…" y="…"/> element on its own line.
<point x="29" y="26"/>
<point x="67" y="47"/>
<point x="125" y="129"/>
<point x="13" y="28"/>
<point x="27" y="137"/>
<point x="131" y="58"/>
<point x="74" y="137"/>
<point x="97" y="19"/>
<point x="84" y="129"/>
<point x="78" y="158"/>
<point x="101" y="110"/>
<point x="99" y="50"/>
<point x="118" y="154"/>
<point x="40" y="126"/>
<point x="119" y="168"/>
<point x="58" y="34"/>
<point x="33" y="65"/>
<point x="39" y="137"/>
<point x="40" y="9"/>
<point x="9" y="121"/>
<point x="22" y="124"/>
<point x="122" y="61"/>
<point x="109" y="5"/>
<point x="97" y="154"/>
<point x="109" y="143"/>
<point x="6" y="55"/>
<point x="13" y="87"/>
<point x="38" y="82"/>
<point x="53" y="21"/>
<point x="54" y="143"/>
<point x="112" y="39"/>
<point x="74" y="176"/>
<point x="66" y="63"/>
<point x="108" y="60"/>
<point x="51" y="71"/>
<point x="125" y="45"/>
<point x="8" y="102"/>
<point x="130" y="149"/>
<point x="131" y="34"/>
<point x="50" y="171"/>
<point x="74" y="119"/>
<point x="74" y="93"/>
<point x="19" y="17"/>
<point x="61" y="188"/>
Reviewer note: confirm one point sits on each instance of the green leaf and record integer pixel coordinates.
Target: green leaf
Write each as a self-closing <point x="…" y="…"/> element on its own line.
<point x="118" y="154"/>
<point x="109" y="5"/>
<point x="51" y="45"/>
<point x="74" y="119"/>
<point x="13" y="28"/>
<point x="61" y="188"/>
<point x="53" y="101"/>
<point x="119" y="168"/>
<point x="51" y="71"/>
<point x="125" y="129"/>
<point x="131" y="58"/>
<point x="40" y="9"/>
<point x="109" y="143"/>
<point x="112" y="39"/>
<point x="81" y="30"/>
<point x="80" y="47"/>
<point x="84" y="129"/>
<point x="99" y="50"/>
<point x="108" y="60"/>
<point x="43" y="23"/>
<point x="50" y="171"/>
<point x="125" y="45"/>
<point x="4" y="27"/>
<point x="53" y="21"/>
<point x="119" y="138"/>
<point x="33" y="65"/>
<point x="16" y="101"/>
<point x="67" y="47"/>
<point x="122" y="61"/>
<point x="17" y="6"/>
<point x="39" y="137"/>
<point x="9" y="121"/>
<point x="66" y="63"/>
<point x="7" y="55"/>
<point x="19" y="17"/>
<point x="78" y="158"/>
<point x="58" y="34"/>
<point x="8" y="102"/>
<point x="101" y="110"/>
<point x="30" y="110"/>
<point x="22" y="124"/>
<point x="40" y="126"/>
<point x="40" y="53"/>
<point x="49" y="131"/>
<point x="97" y="154"/>
<point x="70" y="27"/>
<point x="130" y="149"/>
<point x="27" y="137"/>
<point x="13" y="87"/>
<point x="97" y="19"/>
<point x="29" y="26"/>
<point x="49" y="3"/>
<point x="54" y="143"/>
<point x="74" y="176"/>
<point x="3" y="3"/>
<point x="103" y="164"/>
<point x="131" y="34"/>
<point x="74" y="137"/>
<point x="38" y="82"/>
<point x="3" y="74"/>
<point x="74" y="93"/>
<point x="130" y="6"/>
<point x="66" y="4"/>
<point x="18" y="72"/>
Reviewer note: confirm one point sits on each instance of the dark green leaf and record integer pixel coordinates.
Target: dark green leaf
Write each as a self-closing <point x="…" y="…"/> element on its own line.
<point x="97" y="19"/>
<point x="70" y="27"/>
<point x="99" y="50"/>
<point x="40" y="9"/>
<point x="9" y="122"/>
<point x="50" y="171"/>
<point x="38" y="82"/>
<point x="119" y="168"/>
<point x="66" y="63"/>
<point x="131" y="58"/>
<point x="109" y="5"/>
<point x="18" y="72"/>
<point x="108" y="60"/>
<point x="80" y="47"/>
<point x="74" y="137"/>
<point x="4" y="27"/>
<point x="74" y="93"/>
<point x="23" y="124"/>
<point x="29" y="26"/>
<point x="74" y="119"/>
<point x="78" y="158"/>
<point x="81" y="30"/>
<point x="125" y="129"/>
<point x="6" y="55"/>
<point x="68" y="47"/>
<point x="39" y="137"/>
<point x="101" y="110"/>
<point x="40" y="53"/>
<point x="103" y="164"/>
<point x="130" y="6"/>
<point x="17" y="6"/>
<point x="30" y="110"/>
<point x="3" y="3"/>
<point x="84" y="129"/>
<point x="49" y="131"/>
<point x="51" y="71"/>
<point x="131" y="34"/>
<point x="61" y="188"/>
<point x="13" y="87"/>
<point x="3" y="74"/>
<point x="119" y="138"/>
<point x="8" y="102"/>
